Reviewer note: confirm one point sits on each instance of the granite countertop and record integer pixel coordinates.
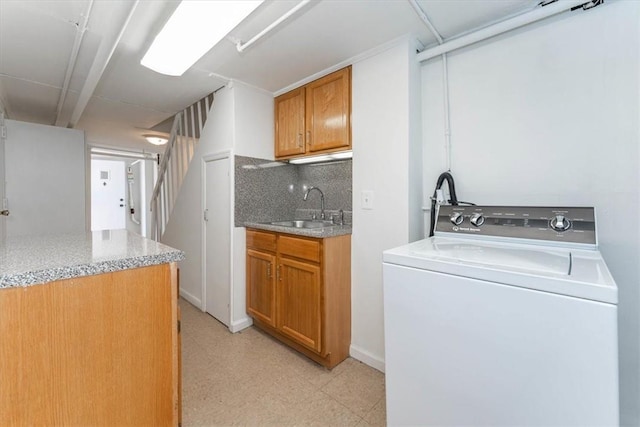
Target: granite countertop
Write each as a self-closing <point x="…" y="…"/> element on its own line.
<point x="31" y="260"/>
<point x="321" y="233"/>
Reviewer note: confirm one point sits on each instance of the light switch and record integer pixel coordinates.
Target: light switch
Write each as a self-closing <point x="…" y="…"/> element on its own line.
<point x="367" y="199"/>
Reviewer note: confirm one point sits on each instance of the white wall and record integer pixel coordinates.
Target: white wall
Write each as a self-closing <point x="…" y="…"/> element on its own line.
<point x="254" y="131"/>
<point x="184" y="230"/>
<point x="254" y="122"/>
<point x="45" y="179"/>
<point x="240" y="121"/>
<point x="549" y="115"/>
<point x="383" y="141"/>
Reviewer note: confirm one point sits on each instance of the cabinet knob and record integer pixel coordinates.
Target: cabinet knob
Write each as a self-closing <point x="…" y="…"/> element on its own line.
<point x="308" y="137"/>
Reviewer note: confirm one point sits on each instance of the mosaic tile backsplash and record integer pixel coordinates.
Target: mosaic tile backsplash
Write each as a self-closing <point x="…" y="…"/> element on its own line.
<point x="269" y="191"/>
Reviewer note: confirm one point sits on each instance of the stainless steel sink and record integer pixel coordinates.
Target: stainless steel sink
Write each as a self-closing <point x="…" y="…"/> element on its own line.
<point x="304" y="223"/>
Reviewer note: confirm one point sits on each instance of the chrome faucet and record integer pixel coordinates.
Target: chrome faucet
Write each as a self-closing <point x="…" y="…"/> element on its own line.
<point x="306" y="195"/>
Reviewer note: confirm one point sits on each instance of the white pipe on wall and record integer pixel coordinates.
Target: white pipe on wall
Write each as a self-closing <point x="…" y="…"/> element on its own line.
<point x="445" y="80"/>
<point x="241" y="47"/>
<point x="501" y="27"/>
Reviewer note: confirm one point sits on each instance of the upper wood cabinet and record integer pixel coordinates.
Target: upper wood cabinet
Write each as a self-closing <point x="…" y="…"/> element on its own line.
<point x="315" y="118"/>
<point x="290" y="127"/>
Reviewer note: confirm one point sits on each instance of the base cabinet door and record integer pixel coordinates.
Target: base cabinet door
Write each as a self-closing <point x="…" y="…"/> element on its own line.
<point x="261" y="300"/>
<point x="299" y="303"/>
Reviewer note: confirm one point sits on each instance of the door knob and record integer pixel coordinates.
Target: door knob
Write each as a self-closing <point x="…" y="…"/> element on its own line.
<point x="4" y="212"/>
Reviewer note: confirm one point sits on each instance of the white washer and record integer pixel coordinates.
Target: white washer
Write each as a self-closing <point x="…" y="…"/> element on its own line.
<point x="509" y="320"/>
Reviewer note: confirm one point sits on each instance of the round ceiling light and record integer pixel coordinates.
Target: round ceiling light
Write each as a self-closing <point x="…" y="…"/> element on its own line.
<point x="155" y="139"/>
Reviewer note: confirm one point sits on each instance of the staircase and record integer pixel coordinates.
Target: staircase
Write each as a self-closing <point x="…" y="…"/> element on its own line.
<point x="185" y="134"/>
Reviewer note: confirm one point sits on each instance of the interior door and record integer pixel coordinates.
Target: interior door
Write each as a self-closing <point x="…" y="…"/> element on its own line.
<point x="3" y="211"/>
<point x="44" y="179"/>
<point x="217" y="206"/>
<point x="107" y="195"/>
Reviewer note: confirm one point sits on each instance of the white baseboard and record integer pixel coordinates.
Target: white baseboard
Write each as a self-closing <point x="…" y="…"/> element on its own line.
<point x="366" y="358"/>
<point x="241" y="324"/>
<point x="193" y="300"/>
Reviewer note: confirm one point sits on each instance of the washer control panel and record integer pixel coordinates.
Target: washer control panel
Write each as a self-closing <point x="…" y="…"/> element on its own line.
<point x="565" y="224"/>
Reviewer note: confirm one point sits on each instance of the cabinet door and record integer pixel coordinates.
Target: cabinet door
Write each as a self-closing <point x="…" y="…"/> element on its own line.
<point x="289" y="112"/>
<point x="261" y="301"/>
<point x="328" y="112"/>
<point x="299" y="313"/>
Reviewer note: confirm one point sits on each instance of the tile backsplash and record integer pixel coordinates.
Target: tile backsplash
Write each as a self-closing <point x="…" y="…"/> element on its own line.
<point x="268" y="191"/>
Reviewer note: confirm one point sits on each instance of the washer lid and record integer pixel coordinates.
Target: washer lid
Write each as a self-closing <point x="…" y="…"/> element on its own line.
<point x="571" y="272"/>
<point x="512" y="258"/>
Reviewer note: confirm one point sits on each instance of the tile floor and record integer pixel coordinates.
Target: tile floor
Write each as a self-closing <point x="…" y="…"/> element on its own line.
<point x="250" y="379"/>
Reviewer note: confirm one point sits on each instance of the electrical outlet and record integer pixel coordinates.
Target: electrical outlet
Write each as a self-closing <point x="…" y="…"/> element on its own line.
<point x="367" y="199"/>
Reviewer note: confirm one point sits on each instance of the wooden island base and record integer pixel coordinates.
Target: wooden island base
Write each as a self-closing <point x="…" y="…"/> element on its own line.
<point x="93" y="350"/>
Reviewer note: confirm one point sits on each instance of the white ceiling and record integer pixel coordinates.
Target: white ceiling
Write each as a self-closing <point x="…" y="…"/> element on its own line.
<point x="126" y="99"/>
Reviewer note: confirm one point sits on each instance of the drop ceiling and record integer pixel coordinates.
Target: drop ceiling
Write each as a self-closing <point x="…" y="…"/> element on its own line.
<point x="125" y="100"/>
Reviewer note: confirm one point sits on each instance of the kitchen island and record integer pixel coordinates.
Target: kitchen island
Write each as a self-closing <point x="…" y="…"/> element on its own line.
<point x="89" y="331"/>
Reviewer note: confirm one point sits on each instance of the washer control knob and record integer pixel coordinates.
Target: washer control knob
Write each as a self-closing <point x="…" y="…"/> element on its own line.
<point x="456" y="218"/>
<point x="560" y="223"/>
<point x="477" y="219"/>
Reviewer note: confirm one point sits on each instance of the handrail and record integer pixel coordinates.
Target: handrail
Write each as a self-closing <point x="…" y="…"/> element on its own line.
<point x="167" y="155"/>
<point x="185" y="132"/>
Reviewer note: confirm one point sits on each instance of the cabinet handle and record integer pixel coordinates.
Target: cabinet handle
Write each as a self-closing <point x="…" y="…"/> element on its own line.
<point x="269" y="271"/>
<point x="278" y="278"/>
<point x="300" y="140"/>
<point x="308" y="137"/>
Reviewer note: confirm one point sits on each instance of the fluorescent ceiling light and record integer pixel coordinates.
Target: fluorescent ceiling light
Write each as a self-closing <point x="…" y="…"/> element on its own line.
<point x="193" y="29"/>
<point x="155" y="139"/>
<point x="322" y="158"/>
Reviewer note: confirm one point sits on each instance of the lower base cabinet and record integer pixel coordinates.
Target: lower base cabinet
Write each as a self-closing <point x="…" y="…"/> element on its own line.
<point x="98" y="350"/>
<point x="299" y="291"/>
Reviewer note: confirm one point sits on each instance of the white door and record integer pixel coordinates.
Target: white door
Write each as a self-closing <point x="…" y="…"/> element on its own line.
<point x="107" y="195"/>
<point x="3" y="212"/>
<point x="217" y="239"/>
<point x="44" y="179"/>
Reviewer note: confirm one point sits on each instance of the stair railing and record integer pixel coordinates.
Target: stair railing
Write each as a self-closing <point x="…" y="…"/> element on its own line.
<point x="175" y="161"/>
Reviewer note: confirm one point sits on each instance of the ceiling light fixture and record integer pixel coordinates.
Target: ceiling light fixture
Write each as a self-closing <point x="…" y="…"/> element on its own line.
<point x="155" y="139"/>
<point x="193" y="29"/>
<point x="322" y="158"/>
